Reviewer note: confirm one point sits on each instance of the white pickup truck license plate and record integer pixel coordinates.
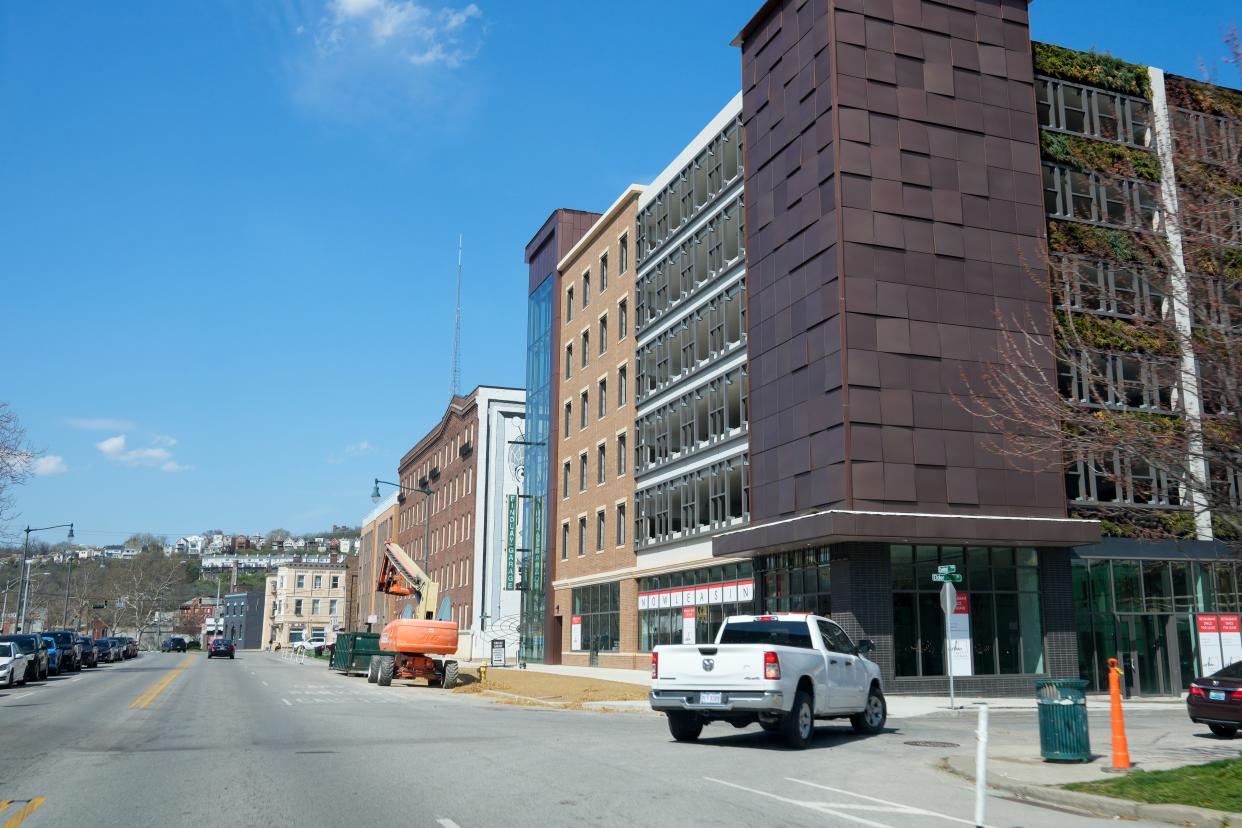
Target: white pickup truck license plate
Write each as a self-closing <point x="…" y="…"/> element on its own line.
<point x="710" y="698"/>
<point x="1214" y="695"/>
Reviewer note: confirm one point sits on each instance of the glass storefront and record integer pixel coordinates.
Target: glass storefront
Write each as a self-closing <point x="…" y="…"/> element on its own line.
<point x="597" y="614"/>
<point x="798" y="582"/>
<point x="535" y="484"/>
<point x="1141" y="612"/>
<point x="689" y="607"/>
<point x="999" y="592"/>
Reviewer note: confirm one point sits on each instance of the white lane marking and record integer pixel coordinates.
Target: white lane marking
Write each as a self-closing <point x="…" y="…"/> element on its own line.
<point x="908" y="809"/>
<point x="813" y="806"/>
<point x="447" y="823"/>
<point x="22" y="695"/>
<point x="286" y="701"/>
<point x="265" y="684"/>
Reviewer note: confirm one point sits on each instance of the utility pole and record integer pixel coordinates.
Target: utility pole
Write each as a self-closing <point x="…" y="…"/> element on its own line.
<point x="68" y="580"/>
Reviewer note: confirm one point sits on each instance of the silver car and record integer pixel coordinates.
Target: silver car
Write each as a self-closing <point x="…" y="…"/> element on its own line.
<point x="12" y="665"/>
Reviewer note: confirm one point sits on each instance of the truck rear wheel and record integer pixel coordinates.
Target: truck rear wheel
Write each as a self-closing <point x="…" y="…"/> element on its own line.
<point x="386" y="668"/>
<point x="373" y="670"/>
<point x="450" y="675"/>
<point x="872" y="718"/>
<point x="798" y="726"/>
<point x="685" y="727"/>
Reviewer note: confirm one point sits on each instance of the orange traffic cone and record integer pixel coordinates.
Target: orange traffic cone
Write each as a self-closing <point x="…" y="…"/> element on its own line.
<point x="1121" y="751"/>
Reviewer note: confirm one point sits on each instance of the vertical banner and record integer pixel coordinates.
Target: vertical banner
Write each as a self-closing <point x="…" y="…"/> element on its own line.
<point x="536" y="544"/>
<point x="1230" y="639"/>
<point x="1209" y="644"/>
<point x="575" y="633"/>
<point x="687" y="625"/>
<point x="511" y="542"/>
<point x="959" y="636"/>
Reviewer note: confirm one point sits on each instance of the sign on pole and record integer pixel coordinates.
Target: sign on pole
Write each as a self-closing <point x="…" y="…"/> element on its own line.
<point x="946" y="577"/>
<point x="511" y="542"/>
<point x="944" y="569"/>
<point x="536" y="547"/>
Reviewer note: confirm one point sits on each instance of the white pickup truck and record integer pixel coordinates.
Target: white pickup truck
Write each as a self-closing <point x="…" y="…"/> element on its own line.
<point x="784" y="671"/>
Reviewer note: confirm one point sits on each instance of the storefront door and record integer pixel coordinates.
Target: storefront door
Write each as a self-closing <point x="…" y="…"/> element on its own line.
<point x="1148" y="645"/>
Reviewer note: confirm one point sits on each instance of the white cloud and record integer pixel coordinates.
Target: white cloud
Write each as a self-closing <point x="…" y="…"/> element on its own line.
<point x="100" y="424"/>
<point x="358" y="449"/>
<point x="155" y="455"/>
<point x="416" y="33"/>
<point x="49" y="465"/>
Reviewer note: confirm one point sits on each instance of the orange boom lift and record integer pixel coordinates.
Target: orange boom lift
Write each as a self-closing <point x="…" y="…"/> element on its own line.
<point x="415" y="647"/>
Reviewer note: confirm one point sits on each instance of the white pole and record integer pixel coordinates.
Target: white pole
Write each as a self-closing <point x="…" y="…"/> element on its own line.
<point x="948" y="654"/>
<point x="981" y="764"/>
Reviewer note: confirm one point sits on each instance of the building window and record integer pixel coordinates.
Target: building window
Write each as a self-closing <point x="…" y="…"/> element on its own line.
<point x="569" y="360"/>
<point x="1211" y="138"/>
<point x="582" y="530"/>
<point x="569" y="304"/>
<point x="601" y="463"/>
<point x="1100" y="199"/>
<point x="797" y="582"/>
<point x="569" y="415"/>
<point x="620" y="524"/>
<point x="603" y="273"/>
<point x="586" y="288"/>
<point x="1128" y="381"/>
<point x="584" y="408"/>
<point x="712" y="593"/>
<point x="582" y="472"/>
<point x="597" y="613"/>
<point x="1001" y="589"/>
<point x="297" y="606"/>
<point x="599" y="531"/>
<point x="700" y="501"/>
<point x="332" y="605"/>
<point x="1114" y="478"/>
<point x="621" y="454"/>
<point x="601" y="399"/>
<point x="603" y="333"/>
<point x="565" y="481"/>
<point x="565" y="541"/>
<point x="301" y="581"/>
<point x="586" y="348"/>
<point x="1096" y="113"/>
<point x="317" y="582"/>
<point x="1100" y="286"/>
<point x="623" y="254"/>
<point x="622" y="390"/>
<point x="623" y="319"/>
<point x="335" y="582"/>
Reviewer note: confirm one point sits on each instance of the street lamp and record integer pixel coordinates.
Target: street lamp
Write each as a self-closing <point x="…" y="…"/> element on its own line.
<point x="25" y="602"/>
<point x="426" y="492"/>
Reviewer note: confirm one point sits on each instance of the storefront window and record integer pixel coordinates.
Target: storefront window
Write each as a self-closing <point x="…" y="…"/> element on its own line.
<point x="1000" y="593"/>
<point x="597" y="614"/>
<point x="689" y="607"/>
<point x="797" y="582"/>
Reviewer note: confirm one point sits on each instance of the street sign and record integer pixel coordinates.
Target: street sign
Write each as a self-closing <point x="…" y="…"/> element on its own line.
<point x="946" y="568"/>
<point x="948" y="598"/>
<point x="947" y="577"/>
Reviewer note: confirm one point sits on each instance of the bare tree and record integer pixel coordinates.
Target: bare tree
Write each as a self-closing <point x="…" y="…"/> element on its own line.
<point x="16" y="456"/>
<point x="1133" y="385"/>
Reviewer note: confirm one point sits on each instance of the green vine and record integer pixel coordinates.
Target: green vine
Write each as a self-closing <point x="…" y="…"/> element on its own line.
<point x="1091" y="68"/>
<point x="1141" y="523"/>
<point x="1202" y="97"/>
<point x="1100" y="242"/>
<point x="1086" y="154"/>
<point x="1109" y="334"/>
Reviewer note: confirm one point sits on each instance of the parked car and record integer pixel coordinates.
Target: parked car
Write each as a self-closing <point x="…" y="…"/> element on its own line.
<point x="131" y="647"/>
<point x="1216" y="701"/>
<point x="317" y="644"/>
<point x="103" y="651"/>
<point x="55" y="655"/>
<point x="90" y="656"/>
<point x="173" y="645"/>
<point x="116" y="649"/>
<point x="12" y="664"/>
<point x="35" y="650"/>
<point x="221" y="647"/>
<point x="783" y="671"/>
<point x="70" y="650"/>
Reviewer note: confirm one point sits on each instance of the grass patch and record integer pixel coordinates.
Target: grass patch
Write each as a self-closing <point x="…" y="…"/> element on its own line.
<point x="1216" y="785"/>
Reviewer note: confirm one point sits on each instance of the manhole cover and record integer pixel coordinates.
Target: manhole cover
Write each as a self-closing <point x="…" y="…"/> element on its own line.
<point x="924" y="743"/>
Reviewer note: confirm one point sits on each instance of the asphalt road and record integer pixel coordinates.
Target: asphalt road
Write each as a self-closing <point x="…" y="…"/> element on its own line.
<point x="170" y="739"/>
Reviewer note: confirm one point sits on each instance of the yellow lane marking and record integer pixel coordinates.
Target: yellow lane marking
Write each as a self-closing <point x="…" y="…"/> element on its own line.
<point x="4" y="805"/>
<point x="154" y="690"/>
<point x="27" y="809"/>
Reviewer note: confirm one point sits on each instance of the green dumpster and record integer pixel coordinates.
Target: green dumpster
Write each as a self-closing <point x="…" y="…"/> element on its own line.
<point x="353" y="650"/>
<point x="1063" y="720"/>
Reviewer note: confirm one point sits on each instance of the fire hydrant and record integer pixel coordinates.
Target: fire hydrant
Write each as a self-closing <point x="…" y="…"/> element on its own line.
<point x="482" y="673"/>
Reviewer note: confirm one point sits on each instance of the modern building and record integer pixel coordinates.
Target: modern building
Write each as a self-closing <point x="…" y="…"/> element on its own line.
<point x="371" y="610"/>
<point x="593" y="553"/>
<point x="468" y="472"/>
<point x="540" y="637"/>
<point x="241" y="616"/>
<point x="303" y="601"/>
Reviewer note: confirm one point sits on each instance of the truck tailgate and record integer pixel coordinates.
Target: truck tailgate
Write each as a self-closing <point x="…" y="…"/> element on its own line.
<point x="728" y="666"/>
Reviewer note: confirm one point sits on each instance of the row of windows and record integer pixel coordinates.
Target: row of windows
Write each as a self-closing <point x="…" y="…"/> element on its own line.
<point x="1089" y="196"/>
<point x="1212" y="219"/>
<point x="1100" y="286"/>
<point x="601" y="466"/>
<point x="601" y="402"/>
<point x="597" y="611"/>
<point x="1114" y="478"/>
<point x="1118" y="380"/>
<point x="1221" y="302"/>
<point x="1211" y="138"/>
<point x="316" y="606"/>
<point x="1102" y="586"/>
<point x="712" y="331"/>
<point x="317" y="581"/>
<point x="711" y="172"/>
<point x="664" y="625"/>
<point x="798" y="581"/>
<point x="453" y="450"/>
<point x="462" y="485"/>
<point x="697" y="261"/>
<point x="694" y="421"/>
<point x="698" y="502"/>
<point x="600" y="530"/>
<point x="1096" y="113"/>
<point x="601" y="339"/>
<point x="453" y="574"/>
<point x="623" y="264"/>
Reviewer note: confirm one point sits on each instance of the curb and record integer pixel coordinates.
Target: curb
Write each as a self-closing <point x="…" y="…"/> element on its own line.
<point x="1094" y="805"/>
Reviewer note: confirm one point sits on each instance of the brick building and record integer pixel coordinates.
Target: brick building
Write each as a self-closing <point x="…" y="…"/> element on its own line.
<point x="368" y="609"/>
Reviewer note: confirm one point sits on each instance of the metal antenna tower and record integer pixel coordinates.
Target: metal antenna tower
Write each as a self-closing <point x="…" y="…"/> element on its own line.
<point x="455" y="379"/>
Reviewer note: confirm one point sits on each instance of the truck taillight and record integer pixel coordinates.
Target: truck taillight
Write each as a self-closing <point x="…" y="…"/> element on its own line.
<point x="655" y="665"/>
<point x="771" y="665"/>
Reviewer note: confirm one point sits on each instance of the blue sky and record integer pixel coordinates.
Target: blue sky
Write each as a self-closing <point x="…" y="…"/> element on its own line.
<point x="228" y="231"/>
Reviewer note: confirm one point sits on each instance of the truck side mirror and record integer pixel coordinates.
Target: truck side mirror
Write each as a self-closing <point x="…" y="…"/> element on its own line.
<point x="865" y="646"/>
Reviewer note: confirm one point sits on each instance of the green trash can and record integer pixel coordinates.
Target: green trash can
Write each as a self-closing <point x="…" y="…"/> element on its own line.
<point x="1063" y="733"/>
